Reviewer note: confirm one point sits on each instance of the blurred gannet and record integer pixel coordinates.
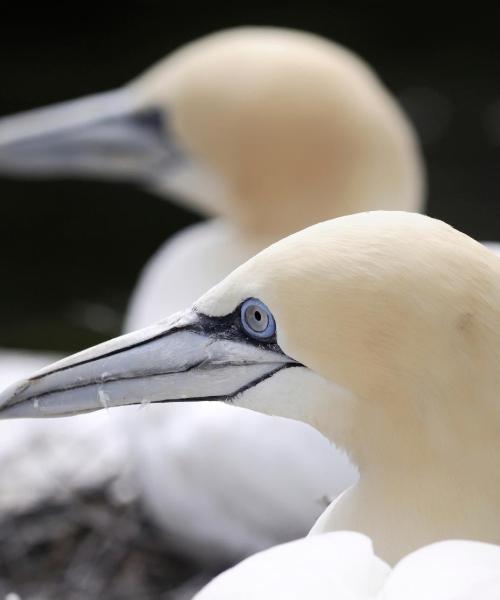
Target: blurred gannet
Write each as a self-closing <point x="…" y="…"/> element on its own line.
<point x="381" y="330"/>
<point x="270" y="130"/>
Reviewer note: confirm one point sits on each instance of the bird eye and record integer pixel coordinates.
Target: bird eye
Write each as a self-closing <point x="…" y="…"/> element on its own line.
<point x="257" y="320"/>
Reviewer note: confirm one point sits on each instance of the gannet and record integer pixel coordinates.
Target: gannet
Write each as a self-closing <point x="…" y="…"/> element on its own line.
<point x="269" y="130"/>
<point x="380" y="329"/>
<point x="228" y="122"/>
<point x="342" y="565"/>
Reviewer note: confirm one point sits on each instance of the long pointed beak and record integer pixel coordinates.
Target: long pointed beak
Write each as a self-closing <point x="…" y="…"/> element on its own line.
<point x="185" y="358"/>
<point x="107" y="136"/>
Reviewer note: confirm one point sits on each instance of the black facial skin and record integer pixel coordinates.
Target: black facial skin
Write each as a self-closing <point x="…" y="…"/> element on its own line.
<point x="155" y="124"/>
<point x="227" y="327"/>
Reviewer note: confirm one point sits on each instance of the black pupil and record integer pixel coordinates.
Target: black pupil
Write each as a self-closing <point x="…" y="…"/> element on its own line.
<point x="256" y="318"/>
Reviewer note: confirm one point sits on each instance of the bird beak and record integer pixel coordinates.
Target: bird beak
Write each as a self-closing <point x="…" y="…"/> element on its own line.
<point x="108" y="136"/>
<point x="188" y="357"/>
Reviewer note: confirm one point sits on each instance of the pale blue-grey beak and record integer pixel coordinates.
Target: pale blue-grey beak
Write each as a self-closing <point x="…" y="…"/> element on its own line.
<point x="108" y="135"/>
<point x="188" y="357"/>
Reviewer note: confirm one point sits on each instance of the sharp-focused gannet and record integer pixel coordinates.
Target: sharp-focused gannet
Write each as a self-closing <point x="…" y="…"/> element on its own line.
<point x="271" y="130"/>
<point x="381" y="330"/>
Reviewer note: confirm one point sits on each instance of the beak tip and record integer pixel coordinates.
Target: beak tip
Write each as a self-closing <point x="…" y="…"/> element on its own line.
<point x="8" y="395"/>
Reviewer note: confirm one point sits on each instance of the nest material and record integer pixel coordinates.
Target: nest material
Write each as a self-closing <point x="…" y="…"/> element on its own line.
<point x="91" y="546"/>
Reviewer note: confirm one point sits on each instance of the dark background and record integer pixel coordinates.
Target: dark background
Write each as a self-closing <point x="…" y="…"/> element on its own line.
<point x="70" y="251"/>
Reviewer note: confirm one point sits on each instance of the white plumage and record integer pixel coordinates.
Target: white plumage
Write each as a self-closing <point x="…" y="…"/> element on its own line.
<point x="274" y="130"/>
<point x="412" y="302"/>
<point x="342" y="565"/>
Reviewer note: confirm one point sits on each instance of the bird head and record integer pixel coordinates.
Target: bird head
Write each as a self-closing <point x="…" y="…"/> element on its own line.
<point x="251" y="123"/>
<point x="370" y="327"/>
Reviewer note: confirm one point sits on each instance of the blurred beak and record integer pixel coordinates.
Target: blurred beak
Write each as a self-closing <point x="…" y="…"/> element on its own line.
<point x="188" y="357"/>
<point x="105" y="136"/>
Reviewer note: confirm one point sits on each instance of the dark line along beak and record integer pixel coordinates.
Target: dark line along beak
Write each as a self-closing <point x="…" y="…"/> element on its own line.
<point x="185" y="358"/>
<point x="106" y="136"/>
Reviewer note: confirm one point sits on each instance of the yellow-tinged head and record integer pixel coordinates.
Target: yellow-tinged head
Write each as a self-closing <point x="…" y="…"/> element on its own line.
<point x="380" y="329"/>
<point x="399" y="308"/>
<point x="282" y="117"/>
<point x="274" y="128"/>
<point x="396" y="317"/>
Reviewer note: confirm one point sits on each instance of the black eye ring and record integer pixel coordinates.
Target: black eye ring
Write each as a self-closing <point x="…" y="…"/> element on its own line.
<point x="257" y="320"/>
